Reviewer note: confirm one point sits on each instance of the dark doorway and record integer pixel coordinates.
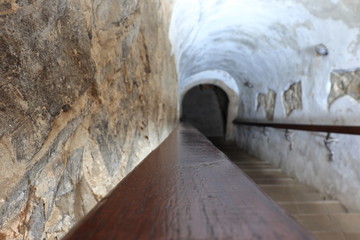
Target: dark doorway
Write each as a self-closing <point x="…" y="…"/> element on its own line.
<point x="206" y="108"/>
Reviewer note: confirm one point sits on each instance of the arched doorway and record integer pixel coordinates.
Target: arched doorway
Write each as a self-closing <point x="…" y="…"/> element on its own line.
<point x="205" y="107"/>
<point x="224" y="81"/>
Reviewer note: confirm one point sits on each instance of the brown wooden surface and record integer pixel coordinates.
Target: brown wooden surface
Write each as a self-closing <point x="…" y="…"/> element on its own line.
<point x="314" y="128"/>
<point x="187" y="189"/>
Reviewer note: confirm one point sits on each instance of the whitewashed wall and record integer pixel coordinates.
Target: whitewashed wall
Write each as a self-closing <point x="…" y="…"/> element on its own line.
<point x="269" y="48"/>
<point x="270" y="44"/>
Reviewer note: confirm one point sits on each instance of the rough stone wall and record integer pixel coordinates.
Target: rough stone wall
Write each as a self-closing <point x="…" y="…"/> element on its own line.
<point x="87" y="89"/>
<point x="344" y="82"/>
<point x="293" y="98"/>
<point x="267" y="103"/>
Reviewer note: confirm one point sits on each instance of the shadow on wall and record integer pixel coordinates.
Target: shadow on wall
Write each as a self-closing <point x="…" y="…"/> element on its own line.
<point x="205" y="107"/>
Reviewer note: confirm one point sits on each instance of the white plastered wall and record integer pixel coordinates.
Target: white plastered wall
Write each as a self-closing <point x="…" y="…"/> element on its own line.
<point x="269" y="45"/>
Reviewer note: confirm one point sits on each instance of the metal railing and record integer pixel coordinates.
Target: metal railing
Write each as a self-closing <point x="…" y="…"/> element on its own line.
<point x="355" y="130"/>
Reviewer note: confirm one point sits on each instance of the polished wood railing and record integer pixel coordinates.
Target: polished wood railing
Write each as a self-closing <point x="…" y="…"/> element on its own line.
<point x="304" y="127"/>
<point x="187" y="189"/>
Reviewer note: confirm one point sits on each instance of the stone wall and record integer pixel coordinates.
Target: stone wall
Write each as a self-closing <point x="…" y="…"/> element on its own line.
<point x="87" y="90"/>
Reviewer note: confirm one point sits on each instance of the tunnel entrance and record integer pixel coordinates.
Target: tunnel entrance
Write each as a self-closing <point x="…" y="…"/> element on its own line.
<point x="206" y="107"/>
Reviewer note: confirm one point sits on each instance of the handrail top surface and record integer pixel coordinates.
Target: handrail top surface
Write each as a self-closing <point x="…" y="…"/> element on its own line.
<point x="187" y="189"/>
<point x="341" y="129"/>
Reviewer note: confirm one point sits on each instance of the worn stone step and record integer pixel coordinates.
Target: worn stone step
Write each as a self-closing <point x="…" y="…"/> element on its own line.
<point x="229" y="149"/>
<point x="295" y="188"/>
<point x="322" y="215"/>
<point x="309" y="208"/>
<point x="240" y="157"/>
<point x="327" y="235"/>
<point x="290" y="197"/>
<point x="263" y="173"/>
<point x="262" y="170"/>
<point x="232" y="149"/>
<point x="352" y="236"/>
<point x="256" y="166"/>
<point x="345" y="222"/>
<point x="285" y="181"/>
<point x="242" y="164"/>
<point x="245" y="160"/>
<point x="335" y="236"/>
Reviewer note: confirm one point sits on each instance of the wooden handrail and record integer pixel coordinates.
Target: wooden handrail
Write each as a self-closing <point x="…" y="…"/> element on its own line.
<point x="187" y="189"/>
<point x="304" y="127"/>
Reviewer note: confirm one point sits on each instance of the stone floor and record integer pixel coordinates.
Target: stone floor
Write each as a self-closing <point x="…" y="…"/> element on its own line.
<point x="323" y="216"/>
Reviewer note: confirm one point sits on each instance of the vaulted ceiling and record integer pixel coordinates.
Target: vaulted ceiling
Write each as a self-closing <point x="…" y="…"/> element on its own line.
<point x="267" y="46"/>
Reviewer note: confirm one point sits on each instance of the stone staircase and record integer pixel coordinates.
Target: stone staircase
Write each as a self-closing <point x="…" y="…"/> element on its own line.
<point x="323" y="216"/>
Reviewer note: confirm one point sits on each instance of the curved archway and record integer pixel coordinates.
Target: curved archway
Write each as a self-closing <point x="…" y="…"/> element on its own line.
<point x="205" y="107"/>
<point x="222" y="80"/>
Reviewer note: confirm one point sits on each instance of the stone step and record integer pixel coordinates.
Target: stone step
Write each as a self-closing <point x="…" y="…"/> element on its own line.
<point x="322" y="215"/>
<point x="283" y="197"/>
<point x="294" y="188"/>
<point x="294" y="193"/>
<point x="335" y="235"/>
<point x="256" y="166"/>
<point x="233" y="150"/>
<point x="263" y="173"/>
<point x="285" y="181"/>
<point x="309" y="208"/>
<point x="342" y="222"/>
<point x="328" y="235"/>
<point x="351" y="236"/>
<point x="244" y="164"/>
<point x="240" y="157"/>
<point x="229" y="148"/>
<point x="245" y="160"/>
